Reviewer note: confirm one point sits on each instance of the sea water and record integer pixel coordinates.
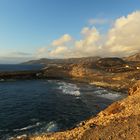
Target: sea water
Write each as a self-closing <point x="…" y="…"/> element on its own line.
<point x="40" y="106"/>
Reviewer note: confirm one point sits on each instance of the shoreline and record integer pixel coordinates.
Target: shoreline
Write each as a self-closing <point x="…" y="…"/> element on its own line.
<point x="35" y="75"/>
<point x="74" y="83"/>
<point x="113" y="81"/>
<point x="117" y="117"/>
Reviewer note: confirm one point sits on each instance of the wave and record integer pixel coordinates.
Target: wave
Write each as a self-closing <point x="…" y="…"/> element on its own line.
<point x="28" y="127"/>
<point x="69" y="88"/>
<point x="108" y="95"/>
<point x="51" y="127"/>
<point x="2" y="80"/>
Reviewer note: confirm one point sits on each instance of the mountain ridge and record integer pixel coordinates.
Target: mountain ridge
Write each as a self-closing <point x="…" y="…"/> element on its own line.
<point x="61" y="61"/>
<point x="45" y="61"/>
<point x="134" y="57"/>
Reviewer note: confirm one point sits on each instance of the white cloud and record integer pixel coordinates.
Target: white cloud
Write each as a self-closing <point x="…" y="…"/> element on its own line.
<point x="121" y="40"/>
<point x="78" y="48"/>
<point x="42" y="52"/>
<point x="60" y="51"/>
<point x="124" y="37"/>
<point x="64" y="39"/>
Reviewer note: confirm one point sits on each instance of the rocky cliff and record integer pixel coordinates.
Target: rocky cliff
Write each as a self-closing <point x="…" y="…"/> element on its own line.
<point x="120" y="121"/>
<point x="113" y="73"/>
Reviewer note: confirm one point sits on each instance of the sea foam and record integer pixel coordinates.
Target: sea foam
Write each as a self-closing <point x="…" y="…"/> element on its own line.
<point x="108" y="95"/>
<point x="69" y="88"/>
<point x="27" y="127"/>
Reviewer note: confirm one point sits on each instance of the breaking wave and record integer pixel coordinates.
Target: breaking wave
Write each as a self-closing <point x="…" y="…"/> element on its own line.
<point x="50" y="127"/>
<point x="28" y="127"/>
<point x="69" y="88"/>
<point x="108" y="95"/>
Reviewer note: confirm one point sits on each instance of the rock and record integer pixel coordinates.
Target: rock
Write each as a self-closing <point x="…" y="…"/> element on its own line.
<point x="135" y="88"/>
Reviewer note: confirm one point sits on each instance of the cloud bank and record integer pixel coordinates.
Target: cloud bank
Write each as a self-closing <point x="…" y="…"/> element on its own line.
<point x="122" y="39"/>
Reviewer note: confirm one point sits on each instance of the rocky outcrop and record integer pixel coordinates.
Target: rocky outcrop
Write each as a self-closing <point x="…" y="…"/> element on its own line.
<point x="80" y="71"/>
<point x="115" y="80"/>
<point x="135" y="88"/>
<point x="135" y="57"/>
<point x="120" y="121"/>
<point x="21" y="75"/>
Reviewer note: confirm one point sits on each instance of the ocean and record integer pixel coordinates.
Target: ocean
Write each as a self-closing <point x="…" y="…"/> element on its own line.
<point x="40" y="106"/>
<point x="18" y="67"/>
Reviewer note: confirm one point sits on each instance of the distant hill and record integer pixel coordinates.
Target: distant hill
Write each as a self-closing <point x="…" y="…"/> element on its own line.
<point x="135" y="57"/>
<point x="110" y="62"/>
<point x="46" y="61"/>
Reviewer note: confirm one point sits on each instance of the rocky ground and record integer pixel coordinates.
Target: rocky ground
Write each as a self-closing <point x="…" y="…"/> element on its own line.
<point x="113" y="73"/>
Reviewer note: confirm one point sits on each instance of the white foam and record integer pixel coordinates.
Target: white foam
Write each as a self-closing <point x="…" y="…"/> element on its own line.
<point x="108" y="95"/>
<point x="69" y="88"/>
<point x="22" y="136"/>
<point x="2" y="80"/>
<point x="27" y="127"/>
<point x="50" y="127"/>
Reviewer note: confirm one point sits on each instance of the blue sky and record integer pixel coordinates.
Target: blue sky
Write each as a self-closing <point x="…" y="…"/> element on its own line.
<point x="26" y="25"/>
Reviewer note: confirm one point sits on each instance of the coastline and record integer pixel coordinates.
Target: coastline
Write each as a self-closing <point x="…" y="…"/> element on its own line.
<point x="118" y="121"/>
<point x="121" y="81"/>
<point x="118" y="81"/>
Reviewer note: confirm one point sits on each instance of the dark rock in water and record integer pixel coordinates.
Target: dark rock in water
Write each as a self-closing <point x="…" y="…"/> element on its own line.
<point x="21" y="75"/>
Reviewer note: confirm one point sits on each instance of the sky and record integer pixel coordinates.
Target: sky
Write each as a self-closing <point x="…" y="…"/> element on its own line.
<point x="33" y="29"/>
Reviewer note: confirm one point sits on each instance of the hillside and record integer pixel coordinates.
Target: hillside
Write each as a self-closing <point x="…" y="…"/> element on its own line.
<point x="135" y="57"/>
<point x="47" y="61"/>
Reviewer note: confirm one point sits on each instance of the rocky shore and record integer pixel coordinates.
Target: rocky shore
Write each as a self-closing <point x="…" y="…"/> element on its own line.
<point x="112" y="73"/>
<point x="120" y="121"/>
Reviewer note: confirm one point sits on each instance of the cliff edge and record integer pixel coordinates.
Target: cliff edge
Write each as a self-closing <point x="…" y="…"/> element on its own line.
<point x="120" y="121"/>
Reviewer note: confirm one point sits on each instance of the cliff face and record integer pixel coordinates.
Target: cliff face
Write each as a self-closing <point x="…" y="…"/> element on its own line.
<point x="114" y="77"/>
<point x="120" y="121"/>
